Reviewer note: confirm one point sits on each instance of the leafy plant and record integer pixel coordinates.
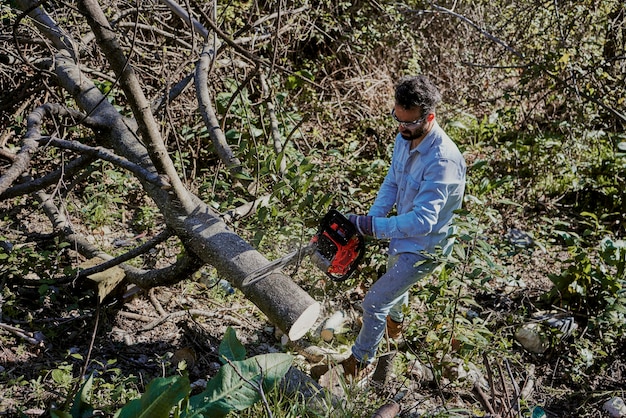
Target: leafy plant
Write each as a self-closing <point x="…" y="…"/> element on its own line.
<point x="239" y="384"/>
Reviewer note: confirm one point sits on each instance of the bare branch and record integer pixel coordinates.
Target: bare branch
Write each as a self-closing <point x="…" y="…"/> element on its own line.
<point x="224" y="152"/>
<point x="174" y="92"/>
<point x="34" y="338"/>
<point x="104" y="154"/>
<point x="182" y="13"/>
<point x="481" y="30"/>
<point x="106" y="39"/>
<point x="129" y="255"/>
<point x="278" y="144"/>
<point x="34" y="123"/>
<point x="185" y="266"/>
<point x="47" y="25"/>
<point x="69" y="170"/>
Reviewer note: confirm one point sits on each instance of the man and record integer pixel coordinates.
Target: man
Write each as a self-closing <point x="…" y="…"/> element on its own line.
<point x="425" y="183"/>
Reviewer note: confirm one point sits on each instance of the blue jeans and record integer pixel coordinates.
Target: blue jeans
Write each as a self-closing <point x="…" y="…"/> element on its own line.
<point x="387" y="296"/>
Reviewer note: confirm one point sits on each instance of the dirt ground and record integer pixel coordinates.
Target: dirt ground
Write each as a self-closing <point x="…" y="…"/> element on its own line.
<point x="147" y="333"/>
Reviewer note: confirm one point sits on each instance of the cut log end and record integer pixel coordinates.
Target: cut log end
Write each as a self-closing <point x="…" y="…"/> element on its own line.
<point x="305" y="322"/>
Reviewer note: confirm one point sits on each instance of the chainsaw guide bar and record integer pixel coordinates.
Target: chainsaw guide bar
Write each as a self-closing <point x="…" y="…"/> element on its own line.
<point x="336" y="249"/>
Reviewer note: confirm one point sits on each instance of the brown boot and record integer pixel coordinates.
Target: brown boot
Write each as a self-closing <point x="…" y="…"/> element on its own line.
<point x="394" y="329"/>
<point x="356" y="370"/>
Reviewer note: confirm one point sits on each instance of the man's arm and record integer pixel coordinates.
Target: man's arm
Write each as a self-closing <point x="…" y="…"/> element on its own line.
<point x="443" y="181"/>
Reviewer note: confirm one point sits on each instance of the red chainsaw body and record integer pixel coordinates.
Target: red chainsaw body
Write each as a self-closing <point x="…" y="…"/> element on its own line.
<point x="339" y="246"/>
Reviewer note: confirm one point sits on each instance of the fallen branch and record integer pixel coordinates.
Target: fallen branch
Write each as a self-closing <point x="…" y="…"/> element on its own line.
<point x="104" y="154"/>
<point x="34" y="338"/>
<point x="271" y="111"/>
<point x="129" y="255"/>
<point x="483" y="398"/>
<point x="223" y="150"/>
<point x="68" y="171"/>
<point x="34" y="123"/>
<point x="185" y="265"/>
<point x="137" y="317"/>
<point x="529" y="385"/>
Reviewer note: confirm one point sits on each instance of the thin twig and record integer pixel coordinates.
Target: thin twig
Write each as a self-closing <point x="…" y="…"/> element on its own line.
<point x="489" y="376"/>
<point x="137" y="317"/>
<point x="30" y="337"/>
<point x="483" y="398"/>
<point x="155" y="302"/>
<point x="504" y="388"/>
<point x="513" y="403"/>
<point x="104" y="154"/>
<point x="129" y="255"/>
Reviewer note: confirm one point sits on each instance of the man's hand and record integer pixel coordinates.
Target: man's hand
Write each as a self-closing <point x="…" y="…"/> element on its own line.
<point x="364" y="224"/>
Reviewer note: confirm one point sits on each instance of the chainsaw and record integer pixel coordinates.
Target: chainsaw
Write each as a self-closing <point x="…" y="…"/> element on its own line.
<point x="336" y="249"/>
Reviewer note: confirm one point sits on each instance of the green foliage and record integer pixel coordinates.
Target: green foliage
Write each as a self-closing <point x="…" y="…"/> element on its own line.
<point x="161" y="396"/>
<point x="231" y="348"/>
<point x="594" y="287"/>
<point x="104" y="195"/>
<point x="238" y="385"/>
<point x="81" y="406"/>
<point x="18" y="261"/>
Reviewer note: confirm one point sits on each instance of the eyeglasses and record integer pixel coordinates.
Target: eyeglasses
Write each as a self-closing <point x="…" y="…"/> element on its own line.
<point x="409" y="125"/>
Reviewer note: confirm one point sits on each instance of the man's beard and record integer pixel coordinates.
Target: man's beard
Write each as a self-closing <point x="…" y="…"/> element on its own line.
<point x="411" y="135"/>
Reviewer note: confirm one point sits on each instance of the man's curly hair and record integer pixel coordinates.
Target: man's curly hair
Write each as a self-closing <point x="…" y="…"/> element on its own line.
<point x="417" y="91"/>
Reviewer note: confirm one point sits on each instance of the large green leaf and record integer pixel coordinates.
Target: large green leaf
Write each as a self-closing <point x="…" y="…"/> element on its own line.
<point x="231" y="348"/>
<point x="227" y="391"/>
<point x="161" y="395"/>
<point x="81" y="407"/>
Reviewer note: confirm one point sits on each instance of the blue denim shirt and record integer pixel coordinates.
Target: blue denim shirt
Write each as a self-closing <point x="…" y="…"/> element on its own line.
<point x="426" y="185"/>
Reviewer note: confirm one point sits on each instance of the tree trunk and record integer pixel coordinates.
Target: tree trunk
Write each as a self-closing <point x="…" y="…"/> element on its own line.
<point x="285" y="304"/>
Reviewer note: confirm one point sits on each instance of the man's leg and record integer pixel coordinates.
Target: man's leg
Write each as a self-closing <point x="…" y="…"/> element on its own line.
<point x="388" y="291"/>
<point x="395" y="313"/>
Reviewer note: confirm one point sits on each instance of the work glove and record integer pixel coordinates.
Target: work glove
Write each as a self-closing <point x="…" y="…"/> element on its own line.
<point x="364" y="224"/>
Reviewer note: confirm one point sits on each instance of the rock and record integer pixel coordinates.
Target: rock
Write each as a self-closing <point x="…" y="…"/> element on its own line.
<point x="535" y="336"/>
<point x="420" y="372"/>
<point x="615" y="407"/>
<point x="532" y="339"/>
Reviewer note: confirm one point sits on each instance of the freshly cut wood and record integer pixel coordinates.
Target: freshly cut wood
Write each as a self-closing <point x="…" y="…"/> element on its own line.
<point x="333" y="325"/>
